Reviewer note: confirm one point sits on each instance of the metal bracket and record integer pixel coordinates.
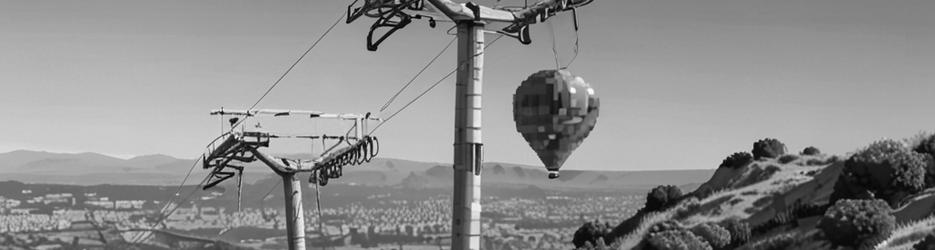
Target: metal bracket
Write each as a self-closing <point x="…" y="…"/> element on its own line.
<point x="521" y="33"/>
<point x="475" y="9"/>
<point x="389" y="14"/>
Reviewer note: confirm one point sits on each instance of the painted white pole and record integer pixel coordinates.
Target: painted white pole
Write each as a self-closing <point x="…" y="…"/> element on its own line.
<point x="466" y="208"/>
<point x="295" y="215"/>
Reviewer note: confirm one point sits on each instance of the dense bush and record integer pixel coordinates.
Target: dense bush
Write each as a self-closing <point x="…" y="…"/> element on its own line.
<point x="737" y="160"/>
<point x="811" y="151"/>
<point x="926" y="244"/>
<point x="678" y="239"/>
<point x="591" y="232"/>
<point x="715" y="235"/>
<point x="886" y="170"/>
<point x="776" y="242"/>
<point x="768" y="148"/>
<point x="858" y="223"/>
<point x="662" y="197"/>
<point x="926" y="145"/>
<point x="786" y="159"/>
<point x="739" y="232"/>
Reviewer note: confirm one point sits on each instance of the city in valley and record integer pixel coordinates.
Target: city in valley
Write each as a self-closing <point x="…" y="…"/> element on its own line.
<point x="49" y="216"/>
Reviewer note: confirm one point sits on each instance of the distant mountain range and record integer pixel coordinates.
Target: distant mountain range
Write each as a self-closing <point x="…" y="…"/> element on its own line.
<point x="93" y="168"/>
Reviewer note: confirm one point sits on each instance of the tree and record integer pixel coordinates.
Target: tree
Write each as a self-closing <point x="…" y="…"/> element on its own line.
<point x="811" y="151"/>
<point x="591" y="232"/>
<point x="768" y="148"/>
<point x="927" y="147"/>
<point x="858" y="223"/>
<point x="736" y="160"/>
<point x="886" y="170"/>
<point x="662" y="197"/>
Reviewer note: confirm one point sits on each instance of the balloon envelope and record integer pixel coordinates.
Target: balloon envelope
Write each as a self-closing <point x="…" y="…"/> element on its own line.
<point x="554" y="111"/>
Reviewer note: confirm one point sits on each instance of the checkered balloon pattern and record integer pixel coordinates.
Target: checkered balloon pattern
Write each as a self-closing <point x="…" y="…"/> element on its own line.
<point x="555" y="111"/>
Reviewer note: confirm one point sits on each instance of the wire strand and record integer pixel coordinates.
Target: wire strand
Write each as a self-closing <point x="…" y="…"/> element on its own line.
<point x="233" y="126"/>
<point x="411" y="80"/>
<point x="554" y="46"/>
<point x="283" y="76"/>
<point x="426" y="91"/>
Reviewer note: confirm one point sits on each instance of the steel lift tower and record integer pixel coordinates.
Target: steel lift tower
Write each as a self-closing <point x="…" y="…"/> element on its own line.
<point x="235" y="148"/>
<point x="470" y="20"/>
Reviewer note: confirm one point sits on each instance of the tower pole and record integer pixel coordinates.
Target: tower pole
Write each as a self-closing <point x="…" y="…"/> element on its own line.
<point x="295" y="216"/>
<point x="466" y="208"/>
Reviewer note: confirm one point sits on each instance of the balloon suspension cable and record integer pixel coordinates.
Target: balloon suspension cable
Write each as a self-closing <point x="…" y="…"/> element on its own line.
<point x="554" y="46"/>
<point x="577" y="46"/>
<point x="574" y="16"/>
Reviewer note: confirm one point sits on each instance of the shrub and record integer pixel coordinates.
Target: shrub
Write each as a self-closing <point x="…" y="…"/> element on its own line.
<point x="885" y="169"/>
<point x="665" y="226"/>
<point x="768" y="148"/>
<point x="591" y="232"/>
<point x="926" y="244"/>
<point x="786" y="159"/>
<point x="662" y="197"/>
<point x="858" y="223"/>
<point x="737" y="160"/>
<point x="715" y="235"/>
<point x="811" y="151"/>
<point x="739" y="232"/>
<point x="926" y="145"/>
<point x="776" y="242"/>
<point x="679" y="239"/>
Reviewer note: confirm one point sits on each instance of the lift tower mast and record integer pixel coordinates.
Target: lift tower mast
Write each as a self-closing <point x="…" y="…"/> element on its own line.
<point x="470" y="20"/>
<point x="234" y="148"/>
<point x="466" y="208"/>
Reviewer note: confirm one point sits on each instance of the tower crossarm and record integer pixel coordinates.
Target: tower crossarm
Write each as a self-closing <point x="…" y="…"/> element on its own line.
<point x="292" y="113"/>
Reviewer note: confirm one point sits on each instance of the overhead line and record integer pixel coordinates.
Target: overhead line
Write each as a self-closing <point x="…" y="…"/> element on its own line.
<point x="336" y="21"/>
<point x="433" y="86"/>
<point x="164" y="215"/>
<point x="390" y="101"/>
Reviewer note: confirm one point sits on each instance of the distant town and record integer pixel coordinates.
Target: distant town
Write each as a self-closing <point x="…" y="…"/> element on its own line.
<point x="35" y="216"/>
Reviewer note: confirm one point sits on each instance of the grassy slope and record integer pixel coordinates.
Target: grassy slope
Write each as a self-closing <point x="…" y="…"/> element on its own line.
<point x="752" y="196"/>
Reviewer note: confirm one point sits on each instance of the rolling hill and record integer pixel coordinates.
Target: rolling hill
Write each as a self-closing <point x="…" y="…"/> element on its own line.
<point x="92" y="168"/>
<point x="880" y="197"/>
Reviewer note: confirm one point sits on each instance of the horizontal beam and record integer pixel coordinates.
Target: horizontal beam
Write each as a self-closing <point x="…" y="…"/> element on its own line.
<point x="296" y="136"/>
<point x="461" y="12"/>
<point x="290" y="112"/>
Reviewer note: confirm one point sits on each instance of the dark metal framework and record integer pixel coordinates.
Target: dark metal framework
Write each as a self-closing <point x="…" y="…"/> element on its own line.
<point x="393" y="15"/>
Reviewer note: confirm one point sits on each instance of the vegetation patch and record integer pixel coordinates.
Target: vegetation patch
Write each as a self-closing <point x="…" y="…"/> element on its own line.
<point x="786" y="159"/>
<point x="858" y="223"/>
<point x="768" y="148"/>
<point x="737" y="160"/>
<point x="716" y="236"/>
<point x="886" y="170"/>
<point x="811" y="151"/>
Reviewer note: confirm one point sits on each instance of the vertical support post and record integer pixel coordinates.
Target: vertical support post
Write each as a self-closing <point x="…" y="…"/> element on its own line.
<point x="466" y="208"/>
<point x="295" y="215"/>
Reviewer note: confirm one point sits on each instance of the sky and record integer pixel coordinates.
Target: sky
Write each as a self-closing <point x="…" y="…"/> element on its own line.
<point x="683" y="83"/>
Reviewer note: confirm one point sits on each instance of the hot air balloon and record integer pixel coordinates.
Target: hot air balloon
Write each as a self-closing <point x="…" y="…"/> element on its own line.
<point x="554" y="111"/>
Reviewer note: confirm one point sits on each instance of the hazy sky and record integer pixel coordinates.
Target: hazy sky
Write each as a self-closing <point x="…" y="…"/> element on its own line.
<point x="683" y="83"/>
